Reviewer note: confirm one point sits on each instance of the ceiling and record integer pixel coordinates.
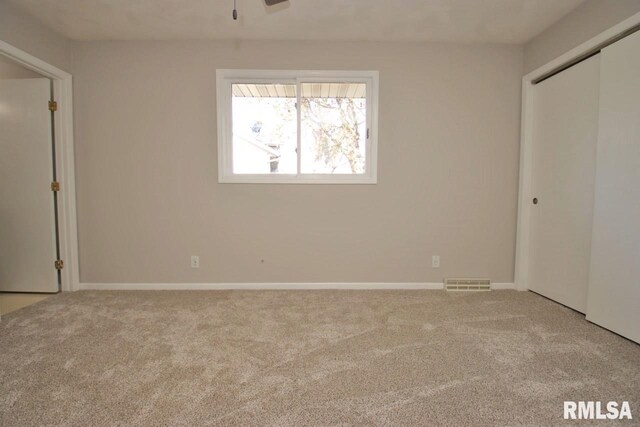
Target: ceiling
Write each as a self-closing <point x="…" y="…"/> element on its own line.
<point x="466" y="21"/>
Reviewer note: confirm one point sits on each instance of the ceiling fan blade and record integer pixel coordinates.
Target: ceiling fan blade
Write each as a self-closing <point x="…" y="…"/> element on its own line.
<point x="273" y="2"/>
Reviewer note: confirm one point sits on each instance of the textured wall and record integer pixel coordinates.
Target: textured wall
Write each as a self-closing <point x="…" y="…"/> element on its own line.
<point x="148" y="195"/>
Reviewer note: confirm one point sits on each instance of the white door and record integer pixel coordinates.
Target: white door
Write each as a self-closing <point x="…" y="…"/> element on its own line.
<point x="565" y="128"/>
<point x="614" y="282"/>
<point x="27" y="215"/>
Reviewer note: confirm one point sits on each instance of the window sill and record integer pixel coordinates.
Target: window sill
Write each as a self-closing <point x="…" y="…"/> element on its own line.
<point x="297" y="179"/>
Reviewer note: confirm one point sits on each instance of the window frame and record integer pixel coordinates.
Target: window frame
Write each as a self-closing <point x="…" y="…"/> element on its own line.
<point x="225" y="78"/>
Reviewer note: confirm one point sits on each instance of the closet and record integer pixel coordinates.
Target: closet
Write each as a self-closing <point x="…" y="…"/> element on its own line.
<point x="584" y="228"/>
<point x="614" y="277"/>
<point x="565" y="132"/>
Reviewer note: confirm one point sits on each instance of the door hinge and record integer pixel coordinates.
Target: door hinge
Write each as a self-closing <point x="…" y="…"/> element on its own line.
<point x="367" y="133"/>
<point x="55" y="186"/>
<point x="53" y="106"/>
<point x="59" y="264"/>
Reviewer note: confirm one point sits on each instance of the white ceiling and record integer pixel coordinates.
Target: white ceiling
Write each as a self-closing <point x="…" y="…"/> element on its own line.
<point x="468" y="21"/>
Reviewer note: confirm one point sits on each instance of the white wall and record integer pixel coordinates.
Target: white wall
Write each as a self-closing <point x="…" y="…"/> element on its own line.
<point x="148" y="196"/>
<point x="588" y="20"/>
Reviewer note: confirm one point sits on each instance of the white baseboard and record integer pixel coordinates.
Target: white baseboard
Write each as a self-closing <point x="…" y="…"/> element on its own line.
<point x="256" y="286"/>
<point x="269" y="286"/>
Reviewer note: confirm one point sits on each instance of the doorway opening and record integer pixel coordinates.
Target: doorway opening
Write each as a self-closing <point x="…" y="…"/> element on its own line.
<point x="38" y="221"/>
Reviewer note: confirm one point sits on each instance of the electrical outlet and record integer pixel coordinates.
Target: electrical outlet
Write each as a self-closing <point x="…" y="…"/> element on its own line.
<point x="435" y="261"/>
<point x="195" y="261"/>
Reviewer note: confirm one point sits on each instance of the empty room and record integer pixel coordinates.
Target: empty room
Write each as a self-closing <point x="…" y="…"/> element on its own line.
<point x="305" y="212"/>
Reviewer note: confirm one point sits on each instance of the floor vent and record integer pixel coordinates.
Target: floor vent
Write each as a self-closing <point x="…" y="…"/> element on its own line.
<point x="467" y="284"/>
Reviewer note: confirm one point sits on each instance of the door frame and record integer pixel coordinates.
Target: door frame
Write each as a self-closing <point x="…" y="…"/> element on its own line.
<point x="521" y="279"/>
<point x="63" y="121"/>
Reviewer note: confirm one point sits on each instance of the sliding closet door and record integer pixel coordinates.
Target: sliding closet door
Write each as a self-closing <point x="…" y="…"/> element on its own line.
<point x="563" y="169"/>
<point x="614" y="283"/>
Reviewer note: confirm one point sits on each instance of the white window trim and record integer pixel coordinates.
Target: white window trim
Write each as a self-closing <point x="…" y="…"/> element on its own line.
<point x="226" y="77"/>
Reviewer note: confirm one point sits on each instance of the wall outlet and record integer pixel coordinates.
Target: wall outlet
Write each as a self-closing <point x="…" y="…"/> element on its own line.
<point x="435" y="261"/>
<point x="195" y="261"/>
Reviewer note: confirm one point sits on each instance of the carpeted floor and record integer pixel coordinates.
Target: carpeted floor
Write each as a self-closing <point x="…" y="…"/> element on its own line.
<point x="196" y="358"/>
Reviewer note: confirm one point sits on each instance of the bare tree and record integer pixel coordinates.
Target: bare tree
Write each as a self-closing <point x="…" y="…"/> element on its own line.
<point x="335" y="126"/>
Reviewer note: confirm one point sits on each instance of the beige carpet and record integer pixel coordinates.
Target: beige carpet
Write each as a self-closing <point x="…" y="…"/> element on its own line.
<point x="196" y="358"/>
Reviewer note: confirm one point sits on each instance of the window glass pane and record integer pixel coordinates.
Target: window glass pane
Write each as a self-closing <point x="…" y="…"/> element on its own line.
<point x="333" y="128"/>
<point x="264" y="128"/>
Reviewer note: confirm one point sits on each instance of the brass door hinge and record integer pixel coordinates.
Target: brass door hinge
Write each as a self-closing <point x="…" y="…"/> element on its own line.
<point x="55" y="186"/>
<point x="53" y="106"/>
<point x="59" y="264"/>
